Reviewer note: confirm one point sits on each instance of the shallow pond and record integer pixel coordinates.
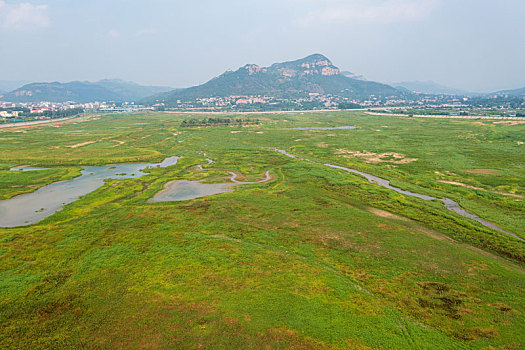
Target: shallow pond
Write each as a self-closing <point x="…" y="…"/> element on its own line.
<point x="30" y="208"/>
<point x="183" y="190"/>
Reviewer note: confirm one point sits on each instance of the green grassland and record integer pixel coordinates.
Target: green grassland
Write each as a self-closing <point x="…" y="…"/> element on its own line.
<point x="314" y="259"/>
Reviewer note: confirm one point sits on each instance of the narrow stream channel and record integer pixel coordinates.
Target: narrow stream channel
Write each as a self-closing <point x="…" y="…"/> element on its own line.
<point x="449" y="203"/>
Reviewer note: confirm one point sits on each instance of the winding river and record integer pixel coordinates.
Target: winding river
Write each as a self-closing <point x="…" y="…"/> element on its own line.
<point x="30" y="208"/>
<point x="449" y="203"/>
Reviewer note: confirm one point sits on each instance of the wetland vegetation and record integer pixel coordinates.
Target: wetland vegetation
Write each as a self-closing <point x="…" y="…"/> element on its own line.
<point x="315" y="258"/>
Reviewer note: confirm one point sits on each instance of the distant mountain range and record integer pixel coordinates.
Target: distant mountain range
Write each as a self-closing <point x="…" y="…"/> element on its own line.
<point x="513" y="93"/>
<point x="82" y="92"/>
<point x="10" y="85"/>
<point x="313" y="74"/>
<point x="429" y="87"/>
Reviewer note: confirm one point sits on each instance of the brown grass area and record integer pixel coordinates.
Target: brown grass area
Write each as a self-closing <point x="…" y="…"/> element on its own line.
<point x="386" y="214"/>
<point x="460" y="184"/>
<point x="374" y="158"/>
<point x="433" y="234"/>
<point x="413" y="225"/>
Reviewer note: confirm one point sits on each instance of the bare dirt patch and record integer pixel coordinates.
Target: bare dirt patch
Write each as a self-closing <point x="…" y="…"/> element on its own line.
<point x="374" y="158"/>
<point x="81" y="144"/>
<point x="461" y="184"/>
<point x="447" y="173"/>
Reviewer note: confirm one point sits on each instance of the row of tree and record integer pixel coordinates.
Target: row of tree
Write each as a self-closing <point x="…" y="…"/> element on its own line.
<point x="61" y="113"/>
<point x="218" y="122"/>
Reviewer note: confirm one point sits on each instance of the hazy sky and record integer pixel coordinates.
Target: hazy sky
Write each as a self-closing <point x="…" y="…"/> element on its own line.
<point x="477" y="45"/>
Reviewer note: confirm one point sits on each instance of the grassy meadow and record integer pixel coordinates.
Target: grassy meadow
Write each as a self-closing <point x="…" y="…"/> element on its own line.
<point x="315" y="259"/>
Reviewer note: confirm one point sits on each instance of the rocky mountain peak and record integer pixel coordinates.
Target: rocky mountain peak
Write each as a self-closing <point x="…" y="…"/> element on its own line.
<point x="253" y="69"/>
<point x="291" y="79"/>
<point x="316" y="64"/>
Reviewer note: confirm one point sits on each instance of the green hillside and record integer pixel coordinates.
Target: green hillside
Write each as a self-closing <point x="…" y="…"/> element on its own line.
<point x="313" y="74"/>
<point x="81" y="92"/>
<point x="516" y="92"/>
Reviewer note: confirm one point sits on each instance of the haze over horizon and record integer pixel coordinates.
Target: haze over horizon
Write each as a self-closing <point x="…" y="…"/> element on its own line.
<point x="471" y="45"/>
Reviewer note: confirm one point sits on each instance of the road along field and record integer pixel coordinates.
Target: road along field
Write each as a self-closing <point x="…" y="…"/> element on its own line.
<point x="59" y="121"/>
<point x="305" y="256"/>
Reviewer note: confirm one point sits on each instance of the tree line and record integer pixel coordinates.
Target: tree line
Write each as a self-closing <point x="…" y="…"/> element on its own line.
<point x="219" y="122"/>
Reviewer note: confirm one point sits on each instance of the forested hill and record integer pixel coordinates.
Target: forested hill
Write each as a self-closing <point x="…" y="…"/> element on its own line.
<point x="82" y="92"/>
<point x="312" y="74"/>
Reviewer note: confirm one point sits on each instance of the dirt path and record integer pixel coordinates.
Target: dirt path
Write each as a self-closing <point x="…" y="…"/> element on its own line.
<point x="119" y="143"/>
<point x="29" y="125"/>
<point x="446" y="116"/>
<point x="81" y="144"/>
